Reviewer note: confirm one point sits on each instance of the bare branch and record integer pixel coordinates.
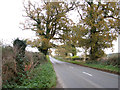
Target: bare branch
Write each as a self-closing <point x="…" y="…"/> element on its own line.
<point x="78" y="11"/>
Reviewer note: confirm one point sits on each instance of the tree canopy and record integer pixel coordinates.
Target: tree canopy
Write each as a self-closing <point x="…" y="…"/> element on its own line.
<point x="97" y="28"/>
<point x="49" y="21"/>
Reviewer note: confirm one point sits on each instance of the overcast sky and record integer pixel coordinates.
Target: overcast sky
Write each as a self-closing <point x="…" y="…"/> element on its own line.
<point x="11" y="15"/>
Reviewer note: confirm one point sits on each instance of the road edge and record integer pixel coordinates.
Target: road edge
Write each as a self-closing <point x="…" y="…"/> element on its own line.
<point x="109" y="71"/>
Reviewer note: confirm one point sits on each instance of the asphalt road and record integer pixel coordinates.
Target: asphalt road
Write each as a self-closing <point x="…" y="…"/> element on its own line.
<point x="75" y="76"/>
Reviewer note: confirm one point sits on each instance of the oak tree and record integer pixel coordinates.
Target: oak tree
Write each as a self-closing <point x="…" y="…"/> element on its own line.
<point x="99" y="25"/>
<point x="49" y="21"/>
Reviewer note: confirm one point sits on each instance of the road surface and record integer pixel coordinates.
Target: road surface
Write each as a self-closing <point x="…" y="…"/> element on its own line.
<point x="75" y="76"/>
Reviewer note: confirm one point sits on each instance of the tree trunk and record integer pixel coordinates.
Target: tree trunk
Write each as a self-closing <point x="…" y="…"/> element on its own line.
<point x="73" y="54"/>
<point x="43" y="50"/>
<point x="73" y="50"/>
<point x="92" y="54"/>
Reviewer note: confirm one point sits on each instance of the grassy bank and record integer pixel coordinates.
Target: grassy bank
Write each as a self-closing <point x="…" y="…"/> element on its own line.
<point x="108" y="68"/>
<point x="43" y="76"/>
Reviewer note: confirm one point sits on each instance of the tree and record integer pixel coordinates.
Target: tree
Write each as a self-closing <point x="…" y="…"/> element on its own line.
<point x="19" y="51"/>
<point x="49" y="21"/>
<point x="50" y="52"/>
<point x="70" y="48"/>
<point x="98" y="27"/>
<point x="61" y="51"/>
<point x="68" y="44"/>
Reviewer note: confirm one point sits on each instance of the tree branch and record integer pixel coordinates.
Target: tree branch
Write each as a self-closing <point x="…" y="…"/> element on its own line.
<point x="78" y="11"/>
<point x="111" y="17"/>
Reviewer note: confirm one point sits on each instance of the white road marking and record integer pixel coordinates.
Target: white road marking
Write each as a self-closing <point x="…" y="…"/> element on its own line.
<point x="87" y="73"/>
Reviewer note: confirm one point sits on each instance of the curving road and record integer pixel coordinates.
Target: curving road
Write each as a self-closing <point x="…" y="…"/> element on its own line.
<point x="75" y="76"/>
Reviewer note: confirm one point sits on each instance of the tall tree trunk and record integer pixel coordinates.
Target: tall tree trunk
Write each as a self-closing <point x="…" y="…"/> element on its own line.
<point x="43" y="50"/>
<point x="93" y="47"/>
<point x="73" y="50"/>
<point x="45" y="46"/>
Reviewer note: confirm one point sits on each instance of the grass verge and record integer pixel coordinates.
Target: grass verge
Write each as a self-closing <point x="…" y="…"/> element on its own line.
<point x="107" y="68"/>
<point x="43" y="76"/>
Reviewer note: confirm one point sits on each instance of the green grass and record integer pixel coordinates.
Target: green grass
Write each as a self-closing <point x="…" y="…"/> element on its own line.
<point x="41" y="77"/>
<point x="73" y="57"/>
<point x="104" y="67"/>
<point x="94" y="65"/>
